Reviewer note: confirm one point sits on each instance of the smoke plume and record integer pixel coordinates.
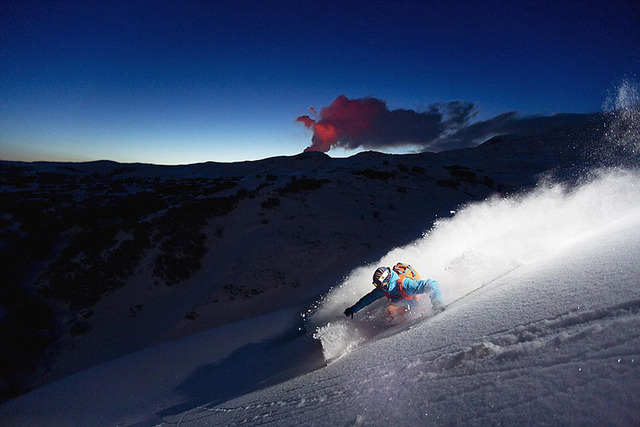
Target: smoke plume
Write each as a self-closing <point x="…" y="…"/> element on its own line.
<point x="368" y="123"/>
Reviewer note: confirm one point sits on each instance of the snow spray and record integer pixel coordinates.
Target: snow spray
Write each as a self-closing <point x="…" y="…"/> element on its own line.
<point x="622" y="132"/>
<point x="486" y="240"/>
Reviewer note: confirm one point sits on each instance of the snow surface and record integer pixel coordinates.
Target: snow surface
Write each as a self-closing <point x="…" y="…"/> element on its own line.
<point x="551" y="335"/>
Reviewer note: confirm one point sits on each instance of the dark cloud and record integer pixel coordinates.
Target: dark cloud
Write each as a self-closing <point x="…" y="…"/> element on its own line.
<point x="509" y="123"/>
<point x="476" y="133"/>
<point x="368" y="123"/>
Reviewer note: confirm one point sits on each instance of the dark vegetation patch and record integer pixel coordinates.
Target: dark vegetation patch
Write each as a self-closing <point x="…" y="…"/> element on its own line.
<point x="134" y="310"/>
<point x="451" y="183"/>
<point x="269" y="180"/>
<point x="179" y="237"/>
<point x="463" y="174"/>
<point x="276" y="279"/>
<point x="241" y="291"/>
<point x="374" y="174"/>
<point x="192" y="315"/>
<point x="488" y="181"/>
<point x="270" y="203"/>
<point x="115" y="234"/>
<point x="302" y="185"/>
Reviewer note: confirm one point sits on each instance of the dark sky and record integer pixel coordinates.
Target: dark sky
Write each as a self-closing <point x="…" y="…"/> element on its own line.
<point x="192" y="81"/>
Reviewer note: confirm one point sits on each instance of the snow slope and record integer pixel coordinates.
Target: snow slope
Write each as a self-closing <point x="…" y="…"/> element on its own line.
<point x="552" y="335"/>
<point x="554" y="341"/>
<point x="133" y="388"/>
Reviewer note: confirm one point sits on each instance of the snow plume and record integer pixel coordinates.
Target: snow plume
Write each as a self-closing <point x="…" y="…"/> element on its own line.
<point x="368" y="123"/>
<point x="483" y="242"/>
<point x="623" y="109"/>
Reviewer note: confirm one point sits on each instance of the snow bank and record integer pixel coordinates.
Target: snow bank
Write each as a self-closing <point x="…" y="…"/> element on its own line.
<point x="483" y="242"/>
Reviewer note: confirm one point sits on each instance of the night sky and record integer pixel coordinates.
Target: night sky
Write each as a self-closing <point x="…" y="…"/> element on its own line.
<point x="173" y="82"/>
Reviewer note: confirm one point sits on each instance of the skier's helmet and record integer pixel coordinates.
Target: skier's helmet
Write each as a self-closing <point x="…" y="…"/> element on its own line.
<point x="381" y="276"/>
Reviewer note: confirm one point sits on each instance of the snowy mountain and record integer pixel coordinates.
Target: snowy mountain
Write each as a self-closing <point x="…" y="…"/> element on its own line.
<point x="174" y="293"/>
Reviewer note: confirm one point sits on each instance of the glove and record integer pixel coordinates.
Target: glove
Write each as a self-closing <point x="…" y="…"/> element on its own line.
<point x="349" y="312"/>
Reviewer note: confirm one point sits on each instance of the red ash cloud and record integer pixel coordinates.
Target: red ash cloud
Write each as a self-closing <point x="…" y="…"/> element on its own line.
<point x="367" y="122"/>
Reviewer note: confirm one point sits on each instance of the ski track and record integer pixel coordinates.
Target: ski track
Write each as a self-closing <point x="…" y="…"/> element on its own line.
<point x="475" y="370"/>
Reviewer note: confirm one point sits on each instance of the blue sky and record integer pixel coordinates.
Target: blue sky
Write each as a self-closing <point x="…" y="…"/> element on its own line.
<point x="190" y="81"/>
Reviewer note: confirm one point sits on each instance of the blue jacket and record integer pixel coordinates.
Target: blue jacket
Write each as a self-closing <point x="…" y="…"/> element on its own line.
<point x="411" y="287"/>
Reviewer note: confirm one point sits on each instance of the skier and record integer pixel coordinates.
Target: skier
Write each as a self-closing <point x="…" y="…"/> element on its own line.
<point x="401" y="285"/>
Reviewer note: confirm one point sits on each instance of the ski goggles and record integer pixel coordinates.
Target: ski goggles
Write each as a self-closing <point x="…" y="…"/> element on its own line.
<point x="383" y="279"/>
